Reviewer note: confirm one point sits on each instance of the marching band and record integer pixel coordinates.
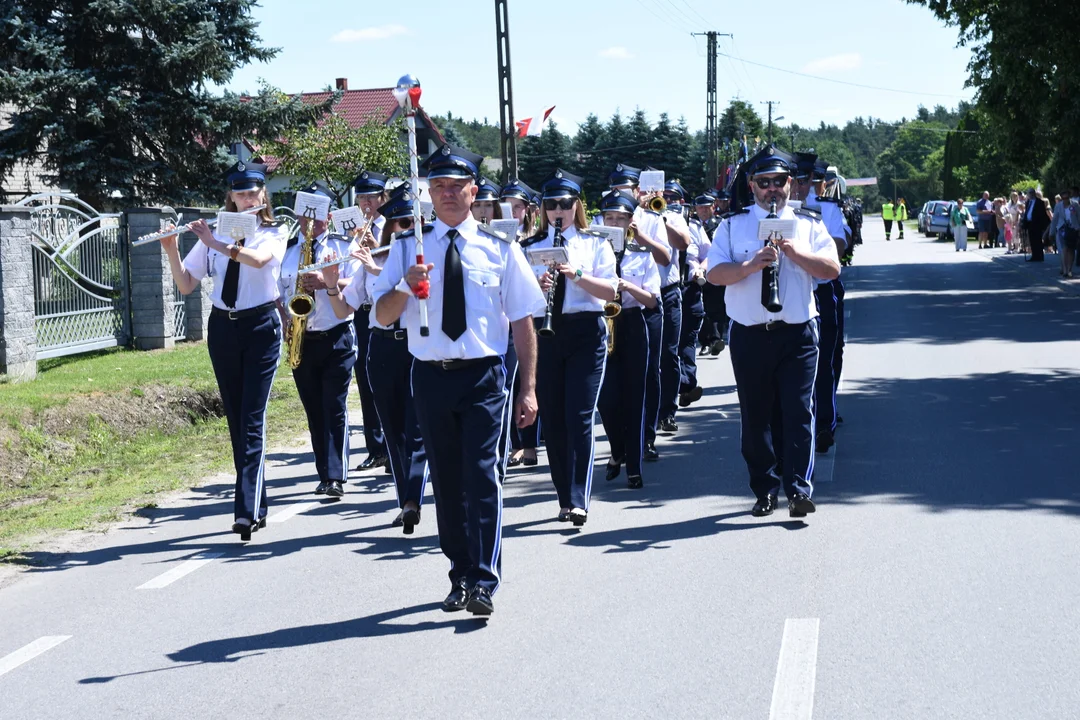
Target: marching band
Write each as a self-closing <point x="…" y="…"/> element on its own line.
<point x="473" y="347"/>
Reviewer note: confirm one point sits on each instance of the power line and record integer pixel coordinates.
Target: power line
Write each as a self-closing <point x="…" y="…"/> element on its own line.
<point x="841" y="82"/>
<point x="597" y="150"/>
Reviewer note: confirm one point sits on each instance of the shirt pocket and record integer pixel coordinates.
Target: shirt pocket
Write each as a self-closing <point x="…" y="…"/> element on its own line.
<point x="745" y="249"/>
<point x="482" y="289"/>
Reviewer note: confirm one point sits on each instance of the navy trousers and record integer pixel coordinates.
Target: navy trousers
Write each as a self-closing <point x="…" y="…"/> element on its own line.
<point x="622" y="396"/>
<point x="526" y="438"/>
<point x="322" y="380"/>
<point x="825" y="383"/>
<point x="373" y="437"/>
<point x="838" y="353"/>
<point x="716" y="320"/>
<point x="654" y="321"/>
<point x="778" y="363"/>
<point x="569" y="373"/>
<point x="462" y="415"/>
<point x="245" y="354"/>
<point x="670" y="374"/>
<point x="693" y="314"/>
<point x="389" y="367"/>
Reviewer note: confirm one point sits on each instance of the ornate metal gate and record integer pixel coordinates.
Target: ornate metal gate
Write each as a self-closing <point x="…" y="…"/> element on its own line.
<point x="80" y="265"/>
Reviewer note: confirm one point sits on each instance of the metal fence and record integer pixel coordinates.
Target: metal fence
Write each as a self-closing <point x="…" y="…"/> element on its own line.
<point x="80" y="264"/>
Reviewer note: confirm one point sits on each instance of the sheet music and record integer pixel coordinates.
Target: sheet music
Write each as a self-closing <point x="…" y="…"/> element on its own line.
<point x="509" y="227"/>
<point x="547" y="256"/>
<point x="778" y="227"/>
<point x="615" y="235"/>
<point x="651" y="181"/>
<point x="311" y="205"/>
<point x="348" y="220"/>
<point x="236" y="225"/>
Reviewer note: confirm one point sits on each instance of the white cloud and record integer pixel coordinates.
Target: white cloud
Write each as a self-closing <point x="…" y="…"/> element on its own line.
<point x="834" y="63"/>
<point x="616" y="53"/>
<point x="382" y="32"/>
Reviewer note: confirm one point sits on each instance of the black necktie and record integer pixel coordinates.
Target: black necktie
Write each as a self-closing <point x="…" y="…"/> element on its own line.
<point x="232" y="281"/>
<point x="453" y="301"/>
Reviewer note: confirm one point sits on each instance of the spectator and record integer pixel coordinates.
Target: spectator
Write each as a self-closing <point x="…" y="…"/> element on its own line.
<point x="1035" y="220"/>
<point x="958" y="220"/>
<point x="1012" y="220"/>
<point x="998" y="236"/>
<point x="984" y="219"/>
<point x="1058" y="226"/>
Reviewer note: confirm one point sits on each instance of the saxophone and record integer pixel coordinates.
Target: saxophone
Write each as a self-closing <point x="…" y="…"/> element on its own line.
<point x="301" y="304"/>
<point x="613" y="308"/>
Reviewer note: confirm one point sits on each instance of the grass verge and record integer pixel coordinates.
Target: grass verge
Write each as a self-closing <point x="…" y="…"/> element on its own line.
<point x="98" y="435"/>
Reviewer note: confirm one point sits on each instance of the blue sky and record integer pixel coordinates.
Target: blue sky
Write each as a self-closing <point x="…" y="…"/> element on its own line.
<point x="584" y="56"/>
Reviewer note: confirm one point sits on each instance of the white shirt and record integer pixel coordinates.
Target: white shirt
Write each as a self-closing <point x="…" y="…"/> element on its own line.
<point x="639" y="269"/>
<point x="322" y="318"/>
<point x="592" y="254"/>
<point x="736" y="241"/>
<point x="669" y="274"/>
<point x="499" y="289"/>
<point x="832" y="216"/>
<point x="362" y="289"/>
<point x="257" y="286"/>
<point x="699" y="246"/>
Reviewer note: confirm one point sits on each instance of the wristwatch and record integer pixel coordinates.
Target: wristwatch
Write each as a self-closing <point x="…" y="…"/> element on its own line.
<point x="577" y="275"/>
<point x="332" y="294"/>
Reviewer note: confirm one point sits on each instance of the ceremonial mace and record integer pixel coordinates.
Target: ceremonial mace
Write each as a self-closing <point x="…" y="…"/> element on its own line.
<point x="407" y="94"/>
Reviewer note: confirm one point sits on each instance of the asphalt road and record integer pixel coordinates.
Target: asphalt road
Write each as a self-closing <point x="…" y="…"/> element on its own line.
<point x="937" y="579"/>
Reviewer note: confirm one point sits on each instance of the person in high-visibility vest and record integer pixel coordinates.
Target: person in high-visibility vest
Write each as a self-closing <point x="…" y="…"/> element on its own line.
<point x="901" y="216"/>
<point x="888" y="214"/>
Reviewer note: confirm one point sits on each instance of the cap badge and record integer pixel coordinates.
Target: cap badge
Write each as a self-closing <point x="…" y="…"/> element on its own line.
<point x="241" y="166"/>
<point x="445" y="150"/>
<point x="364" y="175"/>
<point x="558" y="174"/>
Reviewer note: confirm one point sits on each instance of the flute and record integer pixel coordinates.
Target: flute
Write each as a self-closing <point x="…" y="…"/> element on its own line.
<point x="338" y="261"/>
<point x="154" y="237"/>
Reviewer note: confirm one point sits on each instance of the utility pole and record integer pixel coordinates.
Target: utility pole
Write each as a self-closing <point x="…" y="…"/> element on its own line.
<point x="770" y="103"/>
<point x="712" y="139"/>
<point x="508" y="135"/>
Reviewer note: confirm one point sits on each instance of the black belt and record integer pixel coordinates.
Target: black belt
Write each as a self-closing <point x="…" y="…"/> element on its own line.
<point x="336" y="330"/>
<point x="462" y="364"/>
<point x="773" y="325"/>
<point x="240" y="314"/>
<point x="392" y="334"/>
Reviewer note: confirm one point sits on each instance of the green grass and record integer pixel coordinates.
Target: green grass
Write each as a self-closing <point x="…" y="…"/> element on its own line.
<point x="86" y="467"/>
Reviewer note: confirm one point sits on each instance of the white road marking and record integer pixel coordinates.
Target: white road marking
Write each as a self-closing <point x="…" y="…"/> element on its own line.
<point x="185" y="568"/>
<point x="29" y="652"/>
<point x="796" y="672"/>
<point x="292" y="511"/>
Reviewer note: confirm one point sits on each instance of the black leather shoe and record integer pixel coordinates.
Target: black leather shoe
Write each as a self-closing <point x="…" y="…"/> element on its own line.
<point x="529" y="461"/>
<point x="764" y="506"/>
<point x="690" y="396"/>
<point x="564" y="515"/>
<point x="800" y="505"/>
<point x="409" y="520"/>
<point x="335" y="489"/>
<point x="613" y="471"/>
<point x="458" y="597"/>
<point x="650" y="453"/>
<point x="373" y="461"/>
<point x="717" y="347"/>
<point x="514" y="462"/>
<point x="244" y="529"/>
<point x="668" y="424"/>
<point x="397" y="521"/>
<point x="578" y="517"/>
<point x="480" y="602"/>
<point x="824" y="441"/>
<point x="322" y="488"/>
<point x="634" y="482"/>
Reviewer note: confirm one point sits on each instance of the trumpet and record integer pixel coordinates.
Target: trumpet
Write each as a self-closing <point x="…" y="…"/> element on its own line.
<point x="657" y="204"/>
<point x="154" y="237"/>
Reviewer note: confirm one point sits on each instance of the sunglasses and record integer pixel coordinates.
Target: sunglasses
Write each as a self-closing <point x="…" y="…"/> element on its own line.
<point x="561" y="204"/>
<point x="777" y="182"/>
<point x="803" y="180"/>
<point x="404" y="223"/>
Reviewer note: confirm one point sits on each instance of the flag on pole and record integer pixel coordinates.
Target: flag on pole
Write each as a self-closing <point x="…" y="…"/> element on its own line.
<point x="744" y="152"/>
<point x="533" y="126"/>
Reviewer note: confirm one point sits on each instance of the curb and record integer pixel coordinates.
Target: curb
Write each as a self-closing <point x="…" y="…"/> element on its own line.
<point x="1021" y="267"/>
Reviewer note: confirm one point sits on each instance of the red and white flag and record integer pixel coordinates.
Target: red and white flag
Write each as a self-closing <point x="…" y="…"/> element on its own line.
<point x="534" y="125"/>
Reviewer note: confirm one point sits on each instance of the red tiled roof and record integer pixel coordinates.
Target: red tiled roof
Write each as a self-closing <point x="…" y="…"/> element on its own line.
<point x="356" y="107"/>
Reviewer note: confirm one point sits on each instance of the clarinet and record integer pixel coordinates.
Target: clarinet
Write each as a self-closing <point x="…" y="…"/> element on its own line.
<point x="547" y="330"/>
<point x="770" y="277"/>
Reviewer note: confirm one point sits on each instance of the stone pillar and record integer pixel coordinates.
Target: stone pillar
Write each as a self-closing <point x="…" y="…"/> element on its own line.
<point x="197" y="304"/>
<point x="151" y="283"/>
<point x="18" y="341"/>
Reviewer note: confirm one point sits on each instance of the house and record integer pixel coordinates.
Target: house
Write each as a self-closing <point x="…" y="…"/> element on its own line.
<point x="27" y="177"/>
<point x="356" y="107"/>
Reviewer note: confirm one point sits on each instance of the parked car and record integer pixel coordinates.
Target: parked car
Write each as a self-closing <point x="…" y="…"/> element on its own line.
<point x="923" y="216"/>
<point x="937" y="219"/>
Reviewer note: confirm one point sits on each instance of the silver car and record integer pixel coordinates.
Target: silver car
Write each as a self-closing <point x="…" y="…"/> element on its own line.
<point x="934" y="219"/>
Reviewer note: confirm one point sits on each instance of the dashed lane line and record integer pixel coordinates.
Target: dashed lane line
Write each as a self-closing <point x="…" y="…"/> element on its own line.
<point x="185" y="568"/>
<point x="29" y="652"/>
<point x="796" y="671"/>
<point x="291" y="511"/>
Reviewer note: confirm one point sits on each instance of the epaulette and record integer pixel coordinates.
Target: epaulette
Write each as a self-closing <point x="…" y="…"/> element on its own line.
<point x="412" y="231"/>
<point x="590" y="233"/>
<point x="634" y="247"/>
<point x="338" y="236"/>
<point x="733" y="213"/>
<point x="276" y="222"/>
<point x="497" y="234"/>
<point x="828" y="199"/>
<point x="533" y="239"/>
<point x="807" y="212"/>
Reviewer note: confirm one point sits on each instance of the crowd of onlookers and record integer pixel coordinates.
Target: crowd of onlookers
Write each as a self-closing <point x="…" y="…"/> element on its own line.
<point x="1029" y="224"/>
